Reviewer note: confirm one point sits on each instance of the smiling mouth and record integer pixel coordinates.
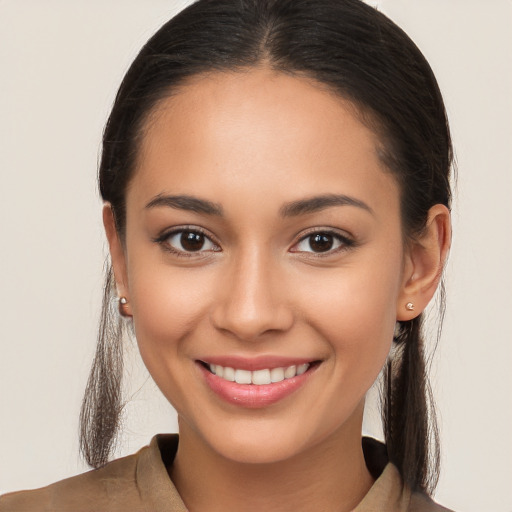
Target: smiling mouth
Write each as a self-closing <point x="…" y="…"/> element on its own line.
<point x="259" y="377"/>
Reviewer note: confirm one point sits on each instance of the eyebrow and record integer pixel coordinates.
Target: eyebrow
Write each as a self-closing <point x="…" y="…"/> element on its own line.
<point x="291" y="209"/>
<point x="184" y="202"/>
<point x="318" y="203"/>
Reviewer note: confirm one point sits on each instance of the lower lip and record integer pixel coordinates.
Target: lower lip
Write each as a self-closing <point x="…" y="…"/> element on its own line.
<point x="251" y="395"/>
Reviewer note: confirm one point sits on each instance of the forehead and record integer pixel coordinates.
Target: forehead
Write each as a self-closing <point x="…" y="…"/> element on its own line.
<point x="242" y="131"/>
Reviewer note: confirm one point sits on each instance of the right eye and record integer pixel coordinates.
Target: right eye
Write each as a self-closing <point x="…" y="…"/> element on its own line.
<point x="185" y="242"/>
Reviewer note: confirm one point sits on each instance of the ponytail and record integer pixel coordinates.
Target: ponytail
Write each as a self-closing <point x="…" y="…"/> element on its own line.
<point x="409" y="418"/>
<point x="102" y="403"/>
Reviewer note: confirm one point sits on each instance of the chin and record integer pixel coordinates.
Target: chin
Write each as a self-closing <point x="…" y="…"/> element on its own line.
<point x="263" y="441"/>
<point x="258" y="449"/>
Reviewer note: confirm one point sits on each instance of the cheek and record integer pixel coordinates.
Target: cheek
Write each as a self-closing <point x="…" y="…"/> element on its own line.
<point x="354" y="309"/>
<point x="167" y="304"/>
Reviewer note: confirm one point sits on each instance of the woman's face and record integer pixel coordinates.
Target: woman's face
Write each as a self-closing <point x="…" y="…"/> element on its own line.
<point x="263" y="233"/>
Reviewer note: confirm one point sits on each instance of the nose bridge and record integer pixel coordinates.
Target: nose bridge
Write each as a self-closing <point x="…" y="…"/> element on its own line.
<point x="253" y="302"/>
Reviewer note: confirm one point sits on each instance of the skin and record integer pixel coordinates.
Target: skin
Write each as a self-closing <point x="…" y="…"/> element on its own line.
<point x="251" y="143"/>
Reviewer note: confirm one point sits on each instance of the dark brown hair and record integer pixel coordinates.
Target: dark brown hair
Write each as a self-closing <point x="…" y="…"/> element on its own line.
<point x="362" y="56"/>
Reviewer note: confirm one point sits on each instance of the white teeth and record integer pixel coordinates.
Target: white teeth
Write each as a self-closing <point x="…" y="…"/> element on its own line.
<point x="290" y="372"/>
<point x="229" y="374"/>
<point x="243" y="377"/>
<point x="258" y="377"/>
<point x="276" y="374"/>
<point x="302" y="368"/>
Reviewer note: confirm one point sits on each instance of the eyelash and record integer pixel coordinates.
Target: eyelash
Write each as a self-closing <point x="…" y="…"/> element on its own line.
<point x="164" y="237"/>
<point x="345" y="241"/>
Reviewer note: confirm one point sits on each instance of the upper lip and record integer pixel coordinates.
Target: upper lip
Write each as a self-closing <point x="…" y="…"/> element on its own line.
<point x="256" y="363"/>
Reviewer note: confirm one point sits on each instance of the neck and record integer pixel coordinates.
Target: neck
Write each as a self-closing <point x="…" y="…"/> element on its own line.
<point x="331" y="476"/>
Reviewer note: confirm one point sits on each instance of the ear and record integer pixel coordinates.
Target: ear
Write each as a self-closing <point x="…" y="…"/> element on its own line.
<point x="424" y="263"/>
<point x="118" y="257"/>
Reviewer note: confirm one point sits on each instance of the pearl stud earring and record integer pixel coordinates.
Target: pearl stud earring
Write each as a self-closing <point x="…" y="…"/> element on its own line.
<point x="409" y="306"/>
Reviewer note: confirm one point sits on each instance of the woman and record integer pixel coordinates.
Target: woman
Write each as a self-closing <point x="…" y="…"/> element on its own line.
<point x="276" y="186"/>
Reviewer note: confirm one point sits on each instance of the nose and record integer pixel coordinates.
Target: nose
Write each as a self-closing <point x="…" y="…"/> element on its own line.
<point x="253" y="298"/>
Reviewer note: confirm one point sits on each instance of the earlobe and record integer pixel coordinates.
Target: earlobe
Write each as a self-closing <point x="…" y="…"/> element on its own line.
<point x="118" y="259"/>
<point x="425" y="261"/>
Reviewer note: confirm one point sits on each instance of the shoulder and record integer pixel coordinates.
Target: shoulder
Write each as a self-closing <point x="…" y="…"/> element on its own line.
<point x="111" y="487"/>
<point x="422" y="503"/>
<point x="136" y="483"/>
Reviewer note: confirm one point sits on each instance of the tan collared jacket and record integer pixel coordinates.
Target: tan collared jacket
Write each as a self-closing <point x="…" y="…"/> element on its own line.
<point x="140" y="483"/>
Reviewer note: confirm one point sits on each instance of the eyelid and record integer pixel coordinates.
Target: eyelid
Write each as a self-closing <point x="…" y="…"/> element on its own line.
<point x="169" y="232"/>
<point x="347" y="241"/>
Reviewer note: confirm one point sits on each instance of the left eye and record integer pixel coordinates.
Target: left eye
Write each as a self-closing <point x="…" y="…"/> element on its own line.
<point x="321" y="242"/>
<point x="190" y="241"/>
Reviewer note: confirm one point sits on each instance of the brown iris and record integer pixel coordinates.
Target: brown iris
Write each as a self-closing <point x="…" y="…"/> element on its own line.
<point x="321" y="242"/>
<point x="191" y="241"/>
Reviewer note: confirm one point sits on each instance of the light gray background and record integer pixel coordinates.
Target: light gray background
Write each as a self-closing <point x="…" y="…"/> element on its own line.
<point x="60" y="65"/>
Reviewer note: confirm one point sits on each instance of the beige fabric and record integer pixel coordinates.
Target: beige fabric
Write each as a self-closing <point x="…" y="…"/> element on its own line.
<point x="386" y="494"/>
<point x="140" y="483"/>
